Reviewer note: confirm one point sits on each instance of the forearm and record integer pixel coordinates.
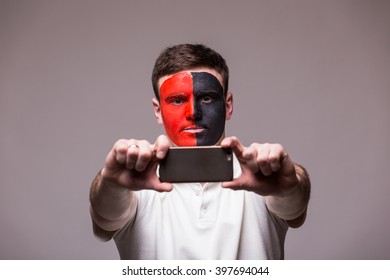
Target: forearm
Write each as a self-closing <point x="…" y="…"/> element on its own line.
<point x="293" y="205"/>
<point x="112" y="206"/>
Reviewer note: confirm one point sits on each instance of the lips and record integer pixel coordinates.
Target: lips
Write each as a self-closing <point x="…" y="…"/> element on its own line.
<point x="193" y="129"/>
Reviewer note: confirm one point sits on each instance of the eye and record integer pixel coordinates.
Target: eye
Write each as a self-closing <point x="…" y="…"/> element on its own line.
<point x="176" y="99"/>
<point x="207" y="99"/>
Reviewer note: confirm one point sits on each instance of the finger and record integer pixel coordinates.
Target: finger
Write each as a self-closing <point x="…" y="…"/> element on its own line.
<point x="263" y="159"/>
<point x="161" y="146"/>
<point x="275" y="157"/>
<point x="145" y="154"/>
<point x="235" y="145"/>
<point x="132" y="150"/>
<point x="250" y="156"/>
<point x="120" y="151"/>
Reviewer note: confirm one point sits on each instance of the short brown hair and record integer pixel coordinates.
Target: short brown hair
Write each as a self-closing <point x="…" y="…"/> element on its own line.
<point x="185" y="57"/>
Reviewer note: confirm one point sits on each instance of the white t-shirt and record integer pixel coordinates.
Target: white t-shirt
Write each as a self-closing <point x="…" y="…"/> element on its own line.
<point x="202" y="222"/>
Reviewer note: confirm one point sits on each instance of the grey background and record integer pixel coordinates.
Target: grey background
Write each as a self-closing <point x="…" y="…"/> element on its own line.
<point x="311" y="75"/>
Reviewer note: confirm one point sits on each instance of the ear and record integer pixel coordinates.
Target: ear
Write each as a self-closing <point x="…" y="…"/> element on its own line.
<point x="157" y="110"/>
<point x="229" y="105"/>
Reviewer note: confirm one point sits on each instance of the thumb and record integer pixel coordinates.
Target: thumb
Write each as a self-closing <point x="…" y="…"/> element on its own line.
<point x="235" y="184"/>
<point x="155" y="182"/>
<point x="163" y="187"/>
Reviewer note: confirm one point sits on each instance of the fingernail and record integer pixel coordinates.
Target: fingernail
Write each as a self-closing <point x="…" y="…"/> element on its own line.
<point x="160" y="154"/>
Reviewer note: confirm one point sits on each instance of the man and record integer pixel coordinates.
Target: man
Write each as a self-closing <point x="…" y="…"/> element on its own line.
<point x="246" y="218"/>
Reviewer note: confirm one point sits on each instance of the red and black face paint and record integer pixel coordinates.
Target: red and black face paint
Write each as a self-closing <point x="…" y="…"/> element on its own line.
<point x="193" y="108"/>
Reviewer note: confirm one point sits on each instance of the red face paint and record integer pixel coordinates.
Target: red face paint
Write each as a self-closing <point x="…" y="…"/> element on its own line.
<point x="177" y="108"/>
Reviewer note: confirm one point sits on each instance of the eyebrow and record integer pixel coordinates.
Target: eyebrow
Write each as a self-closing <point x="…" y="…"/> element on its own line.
<point x="208" y="91"/>
<point x="175" y="95"/>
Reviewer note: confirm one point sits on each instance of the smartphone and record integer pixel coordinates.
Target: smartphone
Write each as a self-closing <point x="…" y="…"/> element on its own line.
<point x="197" y="164"/>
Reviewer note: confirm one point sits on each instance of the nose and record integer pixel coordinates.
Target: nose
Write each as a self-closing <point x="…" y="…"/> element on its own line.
<point x="193" y="112"/>
<point x="197" y="113"/>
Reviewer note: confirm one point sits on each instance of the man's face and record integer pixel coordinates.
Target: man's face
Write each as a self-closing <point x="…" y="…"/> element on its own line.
<point x="193" y="108"/>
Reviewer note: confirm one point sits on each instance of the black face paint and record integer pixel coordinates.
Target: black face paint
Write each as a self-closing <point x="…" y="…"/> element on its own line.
<point x="209" y="108"/>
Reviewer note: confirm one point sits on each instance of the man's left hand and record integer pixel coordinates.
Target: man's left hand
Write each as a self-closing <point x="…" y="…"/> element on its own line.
<point x="266" y="168"/>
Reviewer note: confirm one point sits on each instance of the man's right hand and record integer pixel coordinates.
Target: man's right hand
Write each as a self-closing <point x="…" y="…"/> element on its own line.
<point x="132" y="164"/>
